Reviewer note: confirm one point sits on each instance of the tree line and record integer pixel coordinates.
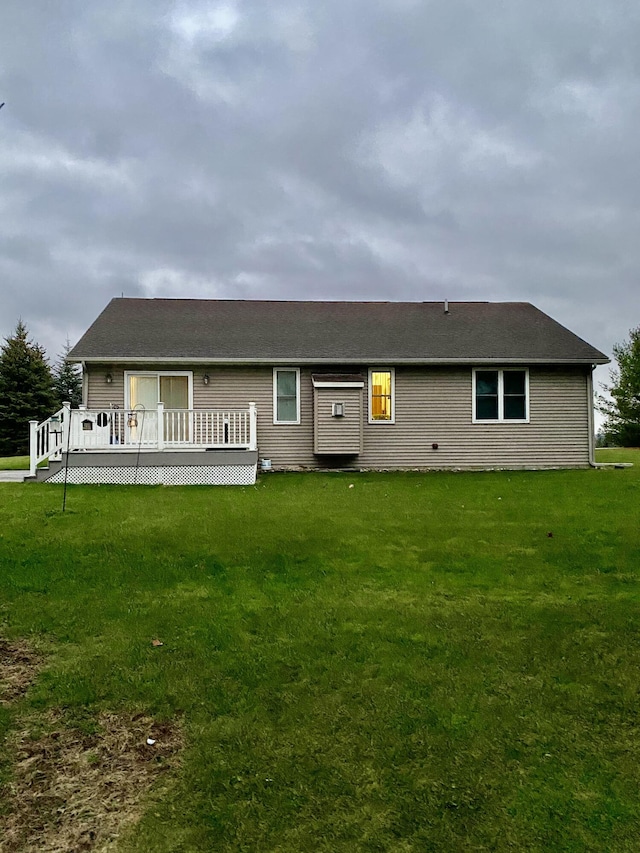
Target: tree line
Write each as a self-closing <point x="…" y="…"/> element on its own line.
<point x="622" y="409"/>
<point x="31" y="388"/>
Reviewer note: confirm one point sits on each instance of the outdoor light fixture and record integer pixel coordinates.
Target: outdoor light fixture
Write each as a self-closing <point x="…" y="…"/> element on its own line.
<point x="205" y="379"/>
<point x="108" y="379"/>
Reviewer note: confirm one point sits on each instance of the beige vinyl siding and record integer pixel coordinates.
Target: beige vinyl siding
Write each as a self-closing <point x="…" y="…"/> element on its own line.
<point x="287" y="445"/>
<point x="338" y="435"/>
<point x="432" y="405"/>
<point x="102" y="394"/>
<point x="435" y="406"/>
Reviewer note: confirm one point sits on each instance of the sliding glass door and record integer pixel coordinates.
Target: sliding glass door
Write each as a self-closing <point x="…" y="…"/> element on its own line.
<point x="144" y="392"/>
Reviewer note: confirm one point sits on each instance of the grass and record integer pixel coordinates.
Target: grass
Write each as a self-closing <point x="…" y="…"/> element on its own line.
<point x="14" y="463"/>
<point x="618" y="454"/>
<point x="423" y="662"/>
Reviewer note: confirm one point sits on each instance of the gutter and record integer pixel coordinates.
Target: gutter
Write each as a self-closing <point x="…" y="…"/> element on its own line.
<point x="365" y="359"/>
<point x="590" y="419"/>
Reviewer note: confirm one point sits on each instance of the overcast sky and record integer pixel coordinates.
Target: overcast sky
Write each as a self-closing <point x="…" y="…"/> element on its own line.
<point x="342" y="149"/>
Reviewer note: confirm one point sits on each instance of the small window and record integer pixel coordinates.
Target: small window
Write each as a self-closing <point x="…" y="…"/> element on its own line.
<point x="286" y="396"/>
<point x="500" y="395"/>
<point x="381" y="396"/>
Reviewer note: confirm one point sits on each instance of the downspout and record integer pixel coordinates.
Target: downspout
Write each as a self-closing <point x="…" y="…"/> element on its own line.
<point x="85" y="383"/>
<point x="592" y="437"/>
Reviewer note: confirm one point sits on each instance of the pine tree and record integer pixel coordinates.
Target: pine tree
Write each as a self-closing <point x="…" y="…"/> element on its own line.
<point x="622" y="425"/>
<point x="26" y="390"/>
<point x="67" y="380"/>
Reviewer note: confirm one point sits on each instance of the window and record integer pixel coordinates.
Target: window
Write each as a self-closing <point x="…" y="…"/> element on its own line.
<point x="286" y="396"/>
<point x="501" y="395"/>
<point x="381" y="396"/>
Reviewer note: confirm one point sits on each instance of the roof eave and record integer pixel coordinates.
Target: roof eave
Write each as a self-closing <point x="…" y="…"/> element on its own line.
<point x="104" y="359"/>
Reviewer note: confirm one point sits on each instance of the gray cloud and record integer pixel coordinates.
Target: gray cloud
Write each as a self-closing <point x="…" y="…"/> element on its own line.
<point x="387" y="150"/>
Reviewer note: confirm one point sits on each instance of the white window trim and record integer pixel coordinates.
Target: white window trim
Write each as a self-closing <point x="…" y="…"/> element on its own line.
<point x="501" y="418"/>
<point x="128" y="373"/>
<point x="392" y="371"/>
<point x="276" y="370"/>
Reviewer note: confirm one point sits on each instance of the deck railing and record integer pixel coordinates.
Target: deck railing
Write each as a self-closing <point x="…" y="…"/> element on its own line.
<point x="140" y="428"/>
<point x="46" y="439"/>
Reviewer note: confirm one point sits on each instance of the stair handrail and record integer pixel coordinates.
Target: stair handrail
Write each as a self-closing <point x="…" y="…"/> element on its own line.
<point x="44" y="442"/>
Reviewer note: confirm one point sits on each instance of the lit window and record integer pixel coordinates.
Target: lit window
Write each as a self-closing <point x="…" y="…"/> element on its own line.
<point x="501" y="395"/>
<point x="286" y="396"/>
<point x="381" y="392"/>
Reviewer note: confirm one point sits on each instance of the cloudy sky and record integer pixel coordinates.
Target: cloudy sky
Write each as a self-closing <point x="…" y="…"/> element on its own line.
<point x="367" y="149"/>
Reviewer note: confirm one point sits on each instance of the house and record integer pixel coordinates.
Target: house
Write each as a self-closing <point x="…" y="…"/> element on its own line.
<point x="198" y="390"/>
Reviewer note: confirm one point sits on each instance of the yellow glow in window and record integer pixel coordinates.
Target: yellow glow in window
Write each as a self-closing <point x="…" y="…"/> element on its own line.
<point x="381" y="395"/>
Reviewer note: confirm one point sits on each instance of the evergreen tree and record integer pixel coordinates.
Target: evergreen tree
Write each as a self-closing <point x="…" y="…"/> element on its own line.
<point x="26" y="390"/>
<point x="622" y="426"/>
<point x="67" y="380"/>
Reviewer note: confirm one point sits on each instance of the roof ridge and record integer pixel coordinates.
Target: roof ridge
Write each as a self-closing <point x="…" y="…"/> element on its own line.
<point x="318" y="301"/>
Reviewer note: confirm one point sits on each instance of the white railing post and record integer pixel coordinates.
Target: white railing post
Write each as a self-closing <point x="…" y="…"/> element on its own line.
<point x="253" y="427"/>
<point x="33" y="447"/>
<point x="160" y="426"/>
<point x="78" y="437"/>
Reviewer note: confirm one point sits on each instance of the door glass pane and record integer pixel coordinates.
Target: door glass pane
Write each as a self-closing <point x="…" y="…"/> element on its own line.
<point x="174" y="392"/>
<point x="143" y="391"/>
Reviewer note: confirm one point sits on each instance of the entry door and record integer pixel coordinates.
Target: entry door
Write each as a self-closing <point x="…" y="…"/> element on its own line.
<point x="146" y="390"/>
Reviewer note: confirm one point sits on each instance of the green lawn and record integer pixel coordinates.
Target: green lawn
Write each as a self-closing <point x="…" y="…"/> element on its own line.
<point x="14" y="463"/>
<point x="423" y="662"/>
<point x="617" y="454"/>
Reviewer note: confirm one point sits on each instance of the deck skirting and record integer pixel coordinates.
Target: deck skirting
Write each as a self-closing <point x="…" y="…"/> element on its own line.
<point x="152" y="468"/>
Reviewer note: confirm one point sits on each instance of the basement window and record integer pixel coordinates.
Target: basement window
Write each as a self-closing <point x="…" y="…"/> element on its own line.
<point x="500" y="395"/>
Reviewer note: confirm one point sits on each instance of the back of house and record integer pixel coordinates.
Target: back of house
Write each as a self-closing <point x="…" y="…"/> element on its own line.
<point x="371" y="385"/>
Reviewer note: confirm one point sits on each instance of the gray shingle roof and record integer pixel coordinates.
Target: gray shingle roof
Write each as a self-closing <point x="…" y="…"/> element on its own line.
<point x="320" y="332"/>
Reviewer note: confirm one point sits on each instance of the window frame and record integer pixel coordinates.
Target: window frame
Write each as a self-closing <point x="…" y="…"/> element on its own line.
<point x="157" y="374"/>
<point x="501" y="418"/>
<point x="370" y="418"/>
<point x="277" y="370"/>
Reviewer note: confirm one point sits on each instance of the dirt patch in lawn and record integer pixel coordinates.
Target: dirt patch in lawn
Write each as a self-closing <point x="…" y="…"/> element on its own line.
<point x="74" y="791"/>
<point x="74" y="787"/>
<point x="19" y="665"/>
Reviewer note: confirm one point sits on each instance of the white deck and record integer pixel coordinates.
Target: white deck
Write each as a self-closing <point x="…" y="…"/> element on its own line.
<point x="108" y="440"/>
